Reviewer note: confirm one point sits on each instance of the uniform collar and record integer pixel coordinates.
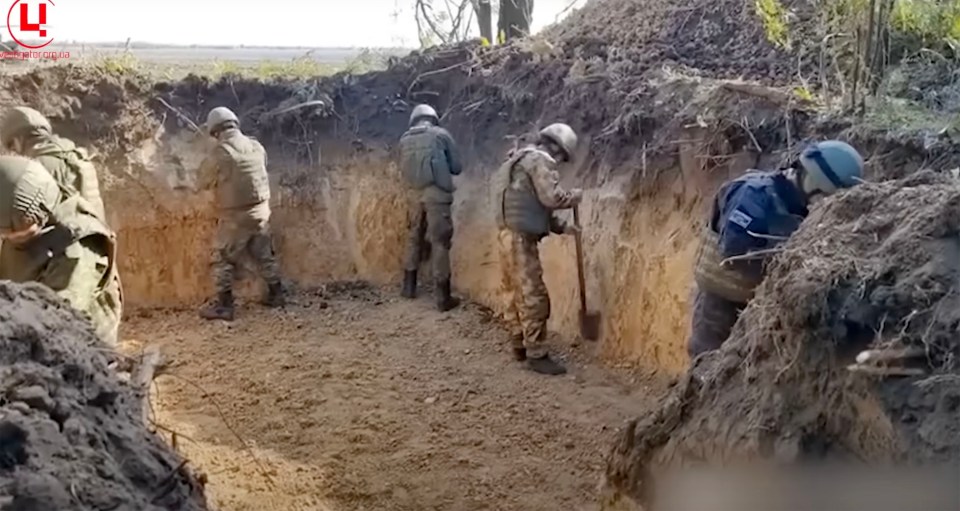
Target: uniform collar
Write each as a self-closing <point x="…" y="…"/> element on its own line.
<point x="790" y="194"/>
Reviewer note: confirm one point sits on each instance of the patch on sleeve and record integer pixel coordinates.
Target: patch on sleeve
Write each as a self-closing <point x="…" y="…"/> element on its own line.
<point x="740" y="218"/>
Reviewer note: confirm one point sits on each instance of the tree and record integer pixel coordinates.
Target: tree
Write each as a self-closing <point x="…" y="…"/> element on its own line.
<point x="515" y="19"/>
<point x="443" y="21"/>
<point x="484" y="10"/>
<point x="450" y="21"/>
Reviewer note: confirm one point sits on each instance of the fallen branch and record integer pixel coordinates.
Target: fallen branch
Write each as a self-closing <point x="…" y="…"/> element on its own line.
<point x="886" y="371"/>
<point x="434" y="72"/>
<point x="181" y="115"/>
<point x="889" y="355"/>
<point x="759" y="254"/>
<point x="165" y="486"/>
<point x="315" y="102"/>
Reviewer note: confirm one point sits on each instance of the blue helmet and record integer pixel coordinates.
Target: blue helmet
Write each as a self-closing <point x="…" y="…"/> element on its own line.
<point x="831" y="165"/>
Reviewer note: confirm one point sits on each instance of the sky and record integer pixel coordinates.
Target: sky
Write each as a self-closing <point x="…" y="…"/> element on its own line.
<point x="313" y="23"/>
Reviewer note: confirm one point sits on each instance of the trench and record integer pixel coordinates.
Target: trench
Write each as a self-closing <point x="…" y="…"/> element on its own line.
<point x="351" y="398"/>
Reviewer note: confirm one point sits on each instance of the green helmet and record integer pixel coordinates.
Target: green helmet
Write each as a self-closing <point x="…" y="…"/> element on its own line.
<point x="562" y="135"/>
<point x="830" y="166"/>
<point x="218" y="117"/>
<point x="421" y="111"/>
<point x="19" y="121"/>
<point x="28" y="193"/>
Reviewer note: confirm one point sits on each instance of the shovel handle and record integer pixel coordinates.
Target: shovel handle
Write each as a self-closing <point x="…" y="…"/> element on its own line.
<point x="580" y="277"/>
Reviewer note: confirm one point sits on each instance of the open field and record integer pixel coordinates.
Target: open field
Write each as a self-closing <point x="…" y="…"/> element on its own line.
<point x="173" y="62"/>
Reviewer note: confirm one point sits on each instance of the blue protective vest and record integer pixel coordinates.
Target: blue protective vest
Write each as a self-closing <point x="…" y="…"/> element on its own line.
<point x="754" y="205"/>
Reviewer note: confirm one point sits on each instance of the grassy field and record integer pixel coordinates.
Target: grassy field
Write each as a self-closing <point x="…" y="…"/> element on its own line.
<point x="173" y="62"/>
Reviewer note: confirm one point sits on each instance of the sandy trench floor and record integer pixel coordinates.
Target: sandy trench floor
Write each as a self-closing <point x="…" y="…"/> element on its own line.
<point x="352" y="398"/>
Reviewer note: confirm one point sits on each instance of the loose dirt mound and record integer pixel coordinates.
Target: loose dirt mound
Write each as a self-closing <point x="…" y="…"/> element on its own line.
<point x="878" y="266"/>
<point x="70" y="436"/>
<point x="722" y="39"/>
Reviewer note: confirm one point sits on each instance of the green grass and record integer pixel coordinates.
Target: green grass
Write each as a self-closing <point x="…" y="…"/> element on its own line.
<point x="898" y="114"/>
<point x="304" y="66"/>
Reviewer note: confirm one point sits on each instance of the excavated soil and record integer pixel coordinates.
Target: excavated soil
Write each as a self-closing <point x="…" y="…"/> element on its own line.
<point x="875" y="267"/>
<point x="353" y="399"/>
<point x="71" y="436"/>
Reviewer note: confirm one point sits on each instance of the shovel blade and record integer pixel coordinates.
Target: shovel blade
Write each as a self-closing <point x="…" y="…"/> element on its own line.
<point x="590" y="325"/>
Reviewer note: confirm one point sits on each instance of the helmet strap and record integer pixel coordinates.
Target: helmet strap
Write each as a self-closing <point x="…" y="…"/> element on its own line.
<point x="825" y="168"/>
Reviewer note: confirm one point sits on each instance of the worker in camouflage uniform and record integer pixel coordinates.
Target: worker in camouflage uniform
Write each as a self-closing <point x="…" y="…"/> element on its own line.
<point x="59" y="241"/>
<point x="27" y="132"/>
<point x="528" y="192"/>
<point x="752" y="215"/>
<point x="237" y="167"/>
<point x="429" y="160"/>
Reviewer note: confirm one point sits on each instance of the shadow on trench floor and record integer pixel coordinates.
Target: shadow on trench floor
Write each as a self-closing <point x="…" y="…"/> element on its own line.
<point x="352" y="398"/>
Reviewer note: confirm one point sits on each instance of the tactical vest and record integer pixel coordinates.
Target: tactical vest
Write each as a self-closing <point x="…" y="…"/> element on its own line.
<point x="723" y="281"/>
<point x="424" y="159"/>
<point x="517" y="205"/>
<point x="82" y="176"/>
<point x="242" y="180"/>
<point x="737" y="281"/>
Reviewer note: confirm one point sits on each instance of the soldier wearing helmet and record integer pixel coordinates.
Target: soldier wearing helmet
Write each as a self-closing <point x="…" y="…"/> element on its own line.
<point x="59" y="241"/>
<point x="27" y="132"/>
<point x="429" y="159"/>
<point x="527" y="193"/>
<point x="752" y="214"/>
<point x="237" y="169"/>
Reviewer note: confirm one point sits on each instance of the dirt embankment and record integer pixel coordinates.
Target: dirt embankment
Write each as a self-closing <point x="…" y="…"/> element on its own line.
<point x="875" y="268"/>
<point x="71" y="435"/>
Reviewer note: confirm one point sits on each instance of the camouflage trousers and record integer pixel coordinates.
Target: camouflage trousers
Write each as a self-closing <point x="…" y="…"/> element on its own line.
<point x="79" y="277"/>
<point x="713" y="319"/>
<point x="430" y="223"/>
<point x="243" y="232"/>
<point x="524" y="294"/>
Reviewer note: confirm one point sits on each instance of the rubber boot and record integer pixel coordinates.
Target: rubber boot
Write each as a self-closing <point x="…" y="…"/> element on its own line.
<point x="445" y="301"/>
<point x="275" y="296"/>
<point x="409" y="289"/>
<point x="222" y="309"/>
<point x="546" y="365"/>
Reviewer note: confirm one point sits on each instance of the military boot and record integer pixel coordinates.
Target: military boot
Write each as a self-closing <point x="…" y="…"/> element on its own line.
<point x="221" y="309"/>
<point x="409" y="289"/>
<point x="519" y="352"/>
<point x="445" y="301"/>
<point x="546" y="365"/>
<point x="275" y="296"/>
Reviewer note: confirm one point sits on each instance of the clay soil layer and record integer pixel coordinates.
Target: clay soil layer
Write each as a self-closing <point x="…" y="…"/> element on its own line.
<point x="355" y="399"/>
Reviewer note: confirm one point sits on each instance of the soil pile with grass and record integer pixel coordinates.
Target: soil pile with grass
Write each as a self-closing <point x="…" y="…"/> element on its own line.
<point x="71" y="435"/>
<point x="719" y="39"/>
<point x="878" y="267"/>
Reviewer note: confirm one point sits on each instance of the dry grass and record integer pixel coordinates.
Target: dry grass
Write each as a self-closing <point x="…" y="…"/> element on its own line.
<point x="306" y="65"/>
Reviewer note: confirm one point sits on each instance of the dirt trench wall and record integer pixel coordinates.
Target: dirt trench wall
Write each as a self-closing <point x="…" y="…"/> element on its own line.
<point x="653" y="152"/>
<point x="347" y="219"/>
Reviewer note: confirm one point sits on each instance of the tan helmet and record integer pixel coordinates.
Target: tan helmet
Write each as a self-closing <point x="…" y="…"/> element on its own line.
<point x="421" y="111"/>
<point x="28" y="193"/>
<point x="219" y="116"/>
<point x="19" y="121"/>
<point x="562" y="135"/>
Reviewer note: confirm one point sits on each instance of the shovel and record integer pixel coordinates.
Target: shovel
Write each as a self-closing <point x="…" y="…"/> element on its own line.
<point x="589" y="321"/>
